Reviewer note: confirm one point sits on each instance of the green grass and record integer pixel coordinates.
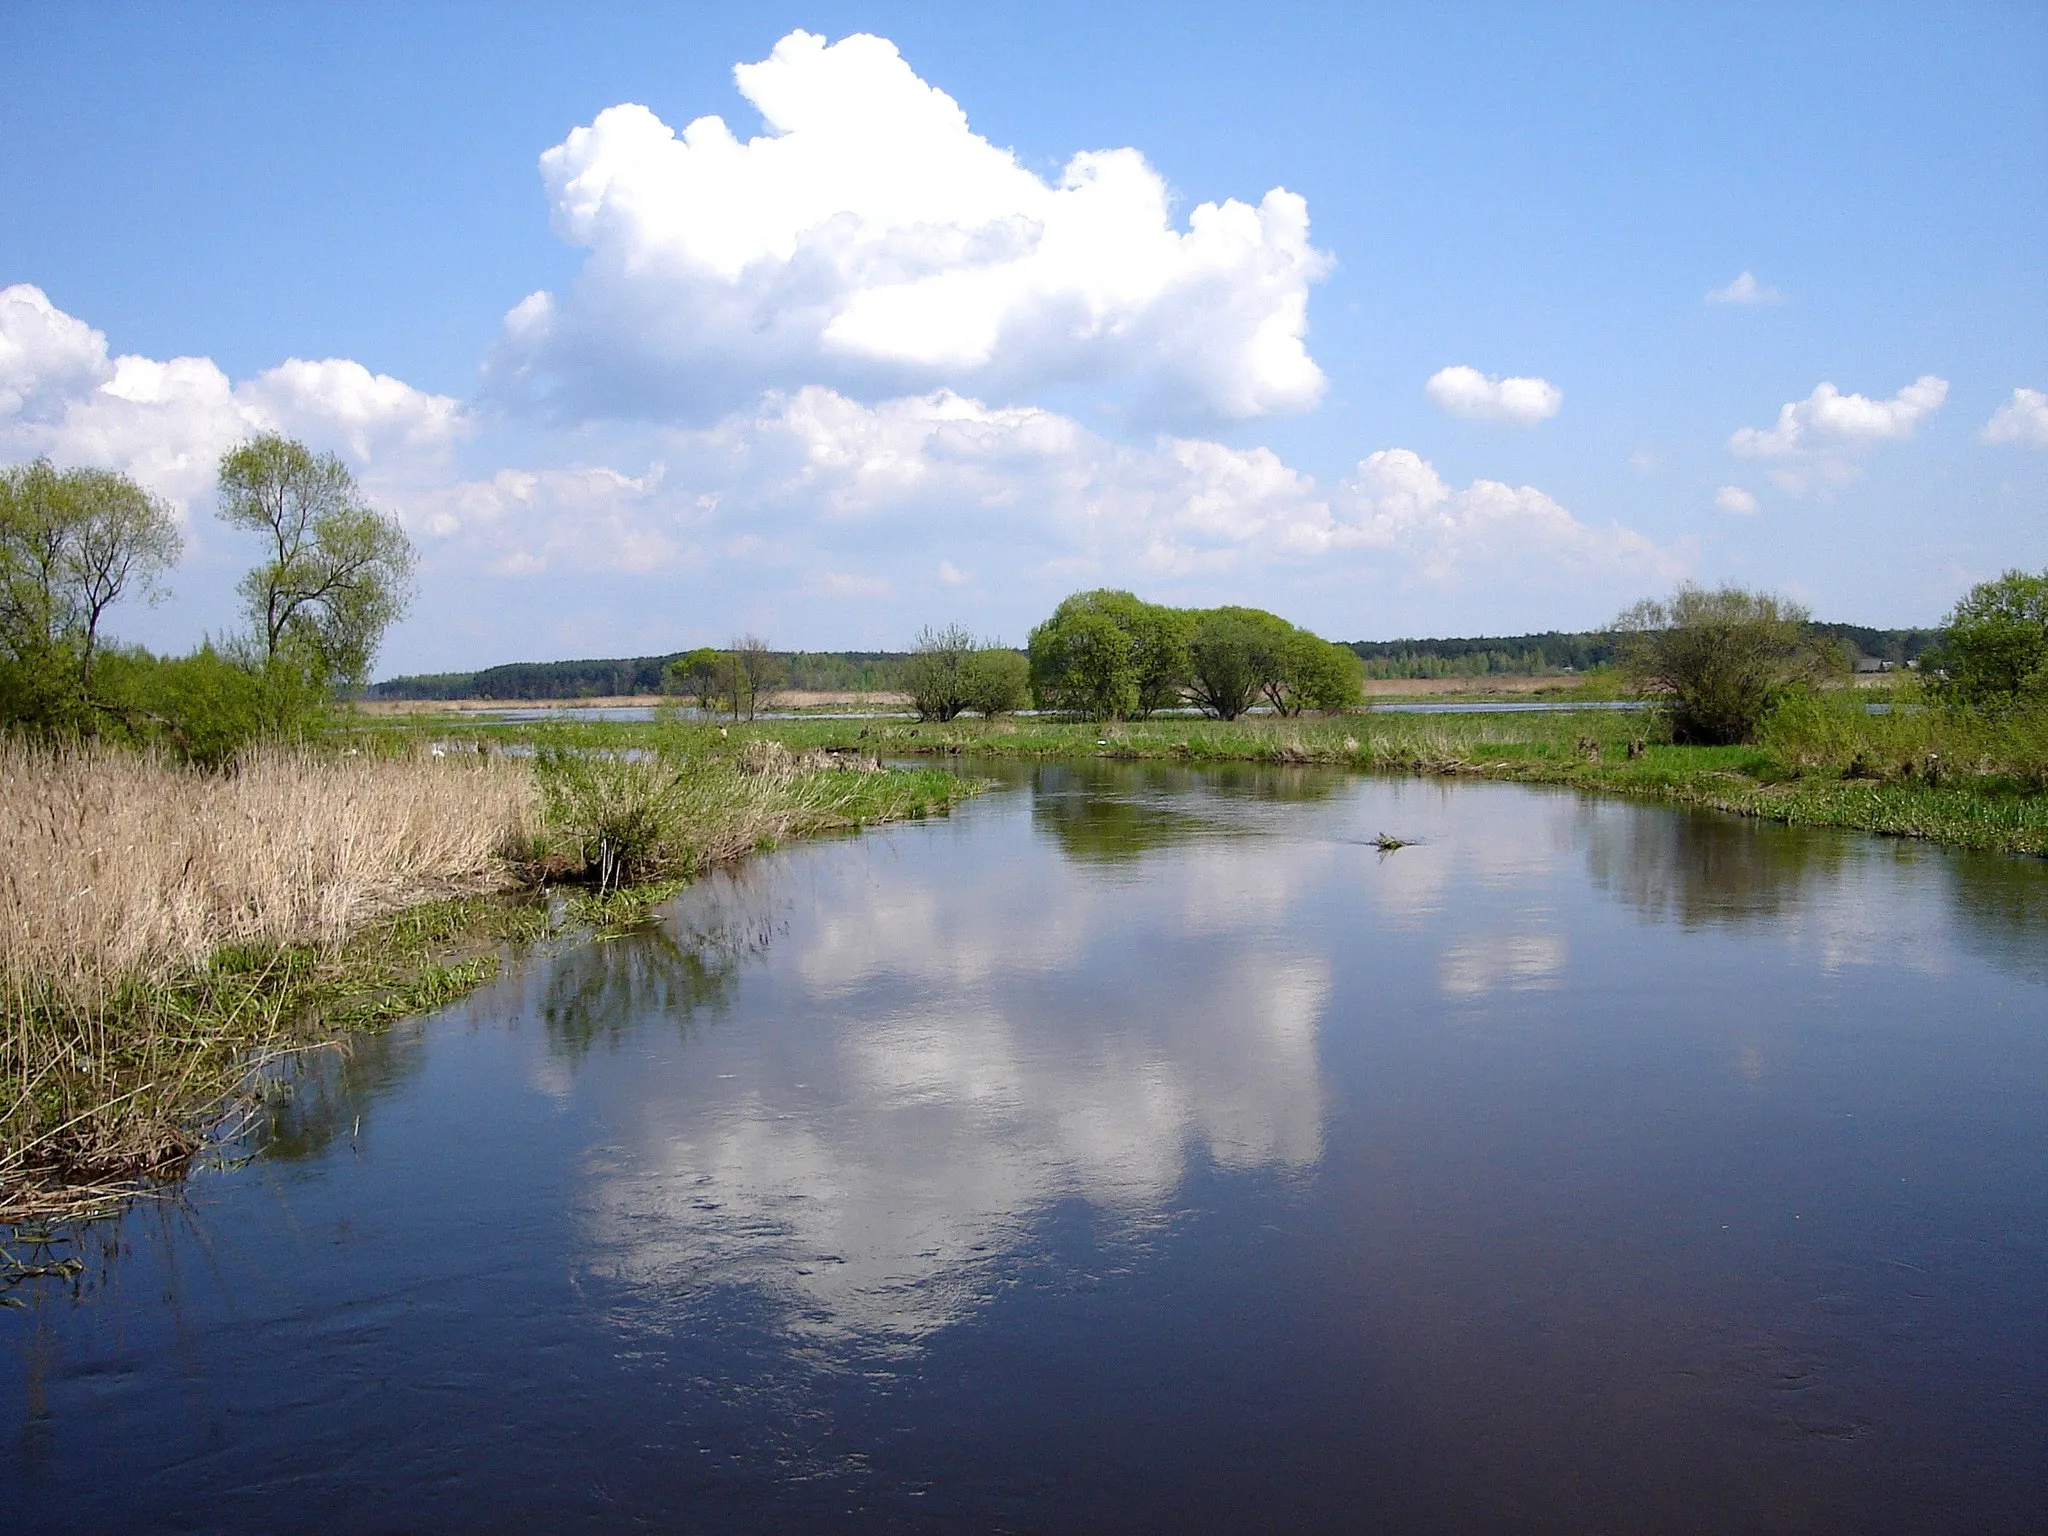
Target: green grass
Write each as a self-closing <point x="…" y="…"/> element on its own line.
<point x="1838" y="767"/>
<point x="128" y="1092"/>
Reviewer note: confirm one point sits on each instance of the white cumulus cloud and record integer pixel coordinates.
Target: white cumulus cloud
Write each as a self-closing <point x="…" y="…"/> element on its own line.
<point x="2022" y="419"/>
<point x="1746" y="289"/>
<point x="870" y="240"/>
<point x="1827" y="418"/>
<point x="1734" y="499"/>
<point x="1463" y="391"/>
<point x="168" y="422"/>
<point x="814" y="480"/>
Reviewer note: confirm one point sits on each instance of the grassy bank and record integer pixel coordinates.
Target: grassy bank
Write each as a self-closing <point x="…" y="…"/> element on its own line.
<point x="1915" y="772"/>
<point x="163" y="931"/>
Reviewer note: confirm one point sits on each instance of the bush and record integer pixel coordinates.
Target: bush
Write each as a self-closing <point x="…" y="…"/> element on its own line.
<point x="205" y="708"/>
<point x="996" y="681"/>
<point x="935" y="676"/>
<point x="1834" y="731"/>
<point x="1720" y="659"/>
<point x="621" y="814"/>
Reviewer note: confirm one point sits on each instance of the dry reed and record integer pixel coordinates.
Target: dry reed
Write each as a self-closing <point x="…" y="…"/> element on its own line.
<point x="117" y="868"/>
<point x="125" y="880"/>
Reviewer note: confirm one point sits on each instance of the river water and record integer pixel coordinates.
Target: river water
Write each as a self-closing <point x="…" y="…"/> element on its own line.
<point x="1137" y="1149"/>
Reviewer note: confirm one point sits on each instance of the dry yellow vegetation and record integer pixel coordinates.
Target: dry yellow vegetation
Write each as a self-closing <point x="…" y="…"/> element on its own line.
<point x="117" y="868"/>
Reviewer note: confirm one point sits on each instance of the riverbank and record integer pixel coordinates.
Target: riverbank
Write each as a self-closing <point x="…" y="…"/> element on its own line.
<point x="164" y="932"/>
<point x="1910" y="773"/>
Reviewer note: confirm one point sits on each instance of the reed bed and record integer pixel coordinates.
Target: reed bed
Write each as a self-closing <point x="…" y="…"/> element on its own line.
<point x="159" y="924"/>
<point x="117" y="868"/>
<point x="164" y="931"/>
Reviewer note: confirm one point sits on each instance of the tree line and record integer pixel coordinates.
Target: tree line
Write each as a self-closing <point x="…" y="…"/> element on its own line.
<point x="333" y="575"/>
<point x="607" y="677"/>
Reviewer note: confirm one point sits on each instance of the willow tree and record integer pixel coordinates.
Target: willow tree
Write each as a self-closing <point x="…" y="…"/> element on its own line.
<point x="337" y="573"/>
<point x="73" y="543"/>
<point x="1718" y="660"/>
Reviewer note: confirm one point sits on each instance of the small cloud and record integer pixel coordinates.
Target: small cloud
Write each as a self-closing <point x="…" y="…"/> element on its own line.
<point x="1643" y="462"/>
<point x="2023" y="419"/>
<point x="1467" y="392"/>
<point x="1746" y="290"/>
<point x="951" y="575"/>
<point x="1734" y="499"/>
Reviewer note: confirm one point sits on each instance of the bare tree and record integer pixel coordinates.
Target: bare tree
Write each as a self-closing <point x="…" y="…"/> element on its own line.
<point x="757" y="675"/>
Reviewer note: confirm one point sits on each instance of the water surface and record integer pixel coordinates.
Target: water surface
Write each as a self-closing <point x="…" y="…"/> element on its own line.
<point x="1137" y="1149"/>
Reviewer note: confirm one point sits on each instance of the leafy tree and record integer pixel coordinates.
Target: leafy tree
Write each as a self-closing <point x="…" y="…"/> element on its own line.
<point x="72" y="543"/>
<point x="1238" y="655"/>
<point x="996" y="681"/>
<point x="936" y="675"/>
<point x="1127" y="658"/>
<point x="1230" y="660"/>
<point x="1719" y="659"/>
<point x="1312" y="673"/>
<point x="1994" y="653"/>
<point x="703" y="674"/>
<point x="337" y="573"/>
<point x="1084" y="663"/>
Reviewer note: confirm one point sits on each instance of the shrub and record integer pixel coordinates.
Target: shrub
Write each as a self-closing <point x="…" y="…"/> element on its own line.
<point x="1719" y="659"/>
<point x="935" y="676"/>
<point x="996" y="681"/>
<point x="207" y="707"/>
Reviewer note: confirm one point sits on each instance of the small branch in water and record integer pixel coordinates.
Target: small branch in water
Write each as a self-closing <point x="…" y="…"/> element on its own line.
<point x="1387" y="844"/>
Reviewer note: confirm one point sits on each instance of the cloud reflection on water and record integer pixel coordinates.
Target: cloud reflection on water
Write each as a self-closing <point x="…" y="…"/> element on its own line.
<point x="956" y="1056"/>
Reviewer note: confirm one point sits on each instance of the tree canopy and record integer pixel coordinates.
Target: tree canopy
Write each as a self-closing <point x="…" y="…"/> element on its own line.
<point x="1719" y="659"/>
<point x="73" y="543"/>
<point x="337" y="573"/>
<point x="1994" y="652"/>
<point x="1110" y="655"/>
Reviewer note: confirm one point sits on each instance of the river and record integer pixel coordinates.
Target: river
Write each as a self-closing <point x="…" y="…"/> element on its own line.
<point x="1138" y="1148"/>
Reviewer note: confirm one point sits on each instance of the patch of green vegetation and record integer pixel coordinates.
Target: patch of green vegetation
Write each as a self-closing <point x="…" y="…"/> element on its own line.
<point x="126" y="1092"/>
<point x="1822" y="760"/>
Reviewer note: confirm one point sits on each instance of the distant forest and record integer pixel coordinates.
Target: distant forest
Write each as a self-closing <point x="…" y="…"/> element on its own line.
<point x="823" y="671"/>
<point x="1556" y="651"/>
<point x="881" y="671"/>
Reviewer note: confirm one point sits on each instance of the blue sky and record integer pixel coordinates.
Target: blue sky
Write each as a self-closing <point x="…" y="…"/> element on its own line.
<point x="880" y="373"/>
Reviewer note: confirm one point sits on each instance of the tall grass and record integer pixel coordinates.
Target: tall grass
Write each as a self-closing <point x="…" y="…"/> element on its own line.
<point x="678" y="806"/>
<point x="162" y="929"/>
<point x="1834" y="733"/>
<point x="159" y="924"/>
<point x="117" y="868"/>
